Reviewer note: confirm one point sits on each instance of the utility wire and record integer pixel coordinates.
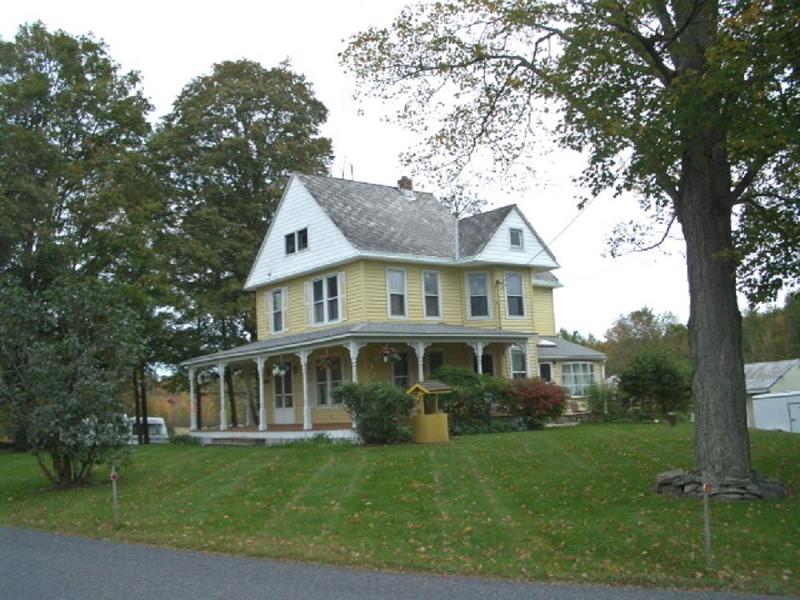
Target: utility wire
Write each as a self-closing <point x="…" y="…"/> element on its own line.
<point x="581" y="209"/>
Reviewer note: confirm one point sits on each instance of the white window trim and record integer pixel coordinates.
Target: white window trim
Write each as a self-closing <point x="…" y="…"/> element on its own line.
<point x="576" y="362"/>
<point x="328" y="382"/>
<point x="511" y="370"/>
<point x="524" y="314"/>
<point x="324" y="278"/>
<point x="271" y="310"/>
<point x="389" y="294"/>
<point x="488" y="295"/>
<point x="296" y="235"/>
<point x="438" y="296"/>
<point x="521" y="238"/>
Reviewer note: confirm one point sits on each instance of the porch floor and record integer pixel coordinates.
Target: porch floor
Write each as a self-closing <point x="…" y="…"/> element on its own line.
<point x="275" y="434"/>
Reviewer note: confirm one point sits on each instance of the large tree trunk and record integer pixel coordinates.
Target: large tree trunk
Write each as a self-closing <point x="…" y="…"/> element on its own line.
<point x="722" y="447"/>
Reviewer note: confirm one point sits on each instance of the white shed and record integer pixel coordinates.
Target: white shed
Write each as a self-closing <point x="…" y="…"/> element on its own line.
<point x="776" y="412"/>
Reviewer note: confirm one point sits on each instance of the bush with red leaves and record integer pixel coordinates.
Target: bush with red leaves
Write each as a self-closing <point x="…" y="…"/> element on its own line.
<point x="536" y="401"/>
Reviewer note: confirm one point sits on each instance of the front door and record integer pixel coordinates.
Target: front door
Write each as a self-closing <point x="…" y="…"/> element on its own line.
<point x="283" y="395"/>
<point x="794" y="417"/>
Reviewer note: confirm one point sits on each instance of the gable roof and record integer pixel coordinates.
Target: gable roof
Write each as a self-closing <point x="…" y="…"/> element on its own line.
<point x="761" y="376"/>
<point x="380" y="218"/>
<point x="475" y="232"/>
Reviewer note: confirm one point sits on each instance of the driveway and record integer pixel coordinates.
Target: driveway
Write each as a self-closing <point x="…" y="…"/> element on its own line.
<point x="36" y="565"/>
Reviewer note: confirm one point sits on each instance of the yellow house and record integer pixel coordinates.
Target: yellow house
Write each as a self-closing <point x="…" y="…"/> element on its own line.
<point x="363" y="282"/>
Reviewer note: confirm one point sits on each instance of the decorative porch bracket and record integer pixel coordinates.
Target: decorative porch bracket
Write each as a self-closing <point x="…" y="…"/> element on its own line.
<point x="262" y="409"/>
<point x="303" y="356"/>
<point x="478" y="347"/>
<point x="354" y="348"/>
<point x="419" y="348"/>
<point x="223" y="418"/>
<point x="192" y="401"/>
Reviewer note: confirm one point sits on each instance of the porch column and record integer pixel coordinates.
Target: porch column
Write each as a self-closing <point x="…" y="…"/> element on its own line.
<point x="528" y="360"/>
<point x="303" y="356"/>
<point x="354" y="348"/>
<point x="262" y="409"/>
<point x="478" y="349"/>
<point x="223" y="418"/>
<point x="192" y="401"/>
<point x="419" y="348"/>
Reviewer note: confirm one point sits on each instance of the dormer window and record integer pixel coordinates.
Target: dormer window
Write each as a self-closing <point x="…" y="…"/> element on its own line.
<point x="296" y="241"/>
<point x="515" y="238"/>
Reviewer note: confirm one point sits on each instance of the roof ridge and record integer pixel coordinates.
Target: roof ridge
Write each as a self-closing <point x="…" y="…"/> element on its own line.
<point x="345" y="180"/>
<point x="489" y="212"/>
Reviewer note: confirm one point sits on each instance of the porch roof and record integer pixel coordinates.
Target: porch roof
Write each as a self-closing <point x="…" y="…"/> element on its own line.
<point x="362" y="332"/>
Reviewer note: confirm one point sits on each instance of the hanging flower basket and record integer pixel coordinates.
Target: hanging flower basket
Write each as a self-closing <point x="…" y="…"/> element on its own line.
<point x="326" y="360"/>
<point x="387" y="352"/>
<point x="280" y="369"/>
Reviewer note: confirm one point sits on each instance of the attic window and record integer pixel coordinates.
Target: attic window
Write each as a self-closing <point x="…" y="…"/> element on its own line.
<point x="515" y="237"/>
<point x="296" y="241"/>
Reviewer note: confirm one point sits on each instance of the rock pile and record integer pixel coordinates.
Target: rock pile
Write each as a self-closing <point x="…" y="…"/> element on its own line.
<point x="690" y="483"/>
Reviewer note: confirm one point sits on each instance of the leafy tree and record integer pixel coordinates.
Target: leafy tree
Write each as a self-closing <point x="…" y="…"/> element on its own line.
<point x="694" y="105"/>
<point x="226" y="150"/>
<point x="658" y="381"/>
<point x="462" y="201"/>
<point x="72" y="128"/>
<point x="77" y="194"/>
<point x="576" y="337"/>
<point x="642" y="329"/>
<point x="66" y="371"/>
<point x="772" y="334"/>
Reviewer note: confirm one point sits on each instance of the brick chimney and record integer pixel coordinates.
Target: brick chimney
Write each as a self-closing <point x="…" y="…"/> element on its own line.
<point x="405" y="183"/>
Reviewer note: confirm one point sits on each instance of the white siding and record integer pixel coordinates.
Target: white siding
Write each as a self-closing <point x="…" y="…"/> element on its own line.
<point x="326" y="244"/>
<point x="499" y="250"/>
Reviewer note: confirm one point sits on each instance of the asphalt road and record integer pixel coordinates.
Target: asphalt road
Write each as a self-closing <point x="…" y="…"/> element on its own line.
<point x="37" y="565"/>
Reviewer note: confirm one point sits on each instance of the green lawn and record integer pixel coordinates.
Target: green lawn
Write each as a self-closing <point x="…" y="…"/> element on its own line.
<point x="570" y="504"/>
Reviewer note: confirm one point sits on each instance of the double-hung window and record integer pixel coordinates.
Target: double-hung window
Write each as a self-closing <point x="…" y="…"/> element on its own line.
<point x="577" y="377"/>
<point x="518" y="364"/>
<point x="431" y="295"/>
<point x="515" y="298"/>
<point x="325" y="299"/>
<point x="329" y="377"/>
<point x="278" y="310"/>
<point x="478" y="291"/>
<point x="396" y="287"/>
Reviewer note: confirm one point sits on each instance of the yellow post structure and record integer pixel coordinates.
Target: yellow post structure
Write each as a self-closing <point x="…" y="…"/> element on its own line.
<point x="429" y="427"/>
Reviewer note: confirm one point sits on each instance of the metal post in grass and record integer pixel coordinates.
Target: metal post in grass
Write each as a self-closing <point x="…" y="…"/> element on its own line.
<point x="707" y="523"/>
<point x="114" y="498"/>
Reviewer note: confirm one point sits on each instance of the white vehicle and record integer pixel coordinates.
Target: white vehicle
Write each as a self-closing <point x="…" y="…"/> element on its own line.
<point x="156" y="427"/>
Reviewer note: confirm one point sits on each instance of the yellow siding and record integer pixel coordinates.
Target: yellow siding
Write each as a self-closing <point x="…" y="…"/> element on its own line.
<point x="544" y="321"/>
<point x="297" y="308"/>
<point x="366" y="298"/>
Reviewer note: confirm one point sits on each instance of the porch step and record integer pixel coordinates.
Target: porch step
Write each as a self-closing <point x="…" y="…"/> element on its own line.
<point x="233" y="442"/>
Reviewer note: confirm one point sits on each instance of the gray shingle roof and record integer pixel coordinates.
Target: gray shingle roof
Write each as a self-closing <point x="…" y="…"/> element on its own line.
<point x="561" y="349"/>
<point x="380" y="218"/>
<point x="546" y="278"/>
<point x="476" y="231"/>
<point x="358" y="331"/>
<point x="761" y="376"/>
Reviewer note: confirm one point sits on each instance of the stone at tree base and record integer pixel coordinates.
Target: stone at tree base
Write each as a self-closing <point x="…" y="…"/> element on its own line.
<point x="690" y="484"/>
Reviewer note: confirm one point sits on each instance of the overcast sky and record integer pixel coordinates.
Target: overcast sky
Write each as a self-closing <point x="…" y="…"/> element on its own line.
<point x="169" y="43"/>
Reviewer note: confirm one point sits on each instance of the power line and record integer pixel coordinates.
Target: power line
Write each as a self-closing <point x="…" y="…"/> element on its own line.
<point x="581" y="209"/>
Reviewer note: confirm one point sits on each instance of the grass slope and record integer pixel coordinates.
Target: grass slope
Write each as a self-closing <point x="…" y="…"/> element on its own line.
<point x="564" y="504"/>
